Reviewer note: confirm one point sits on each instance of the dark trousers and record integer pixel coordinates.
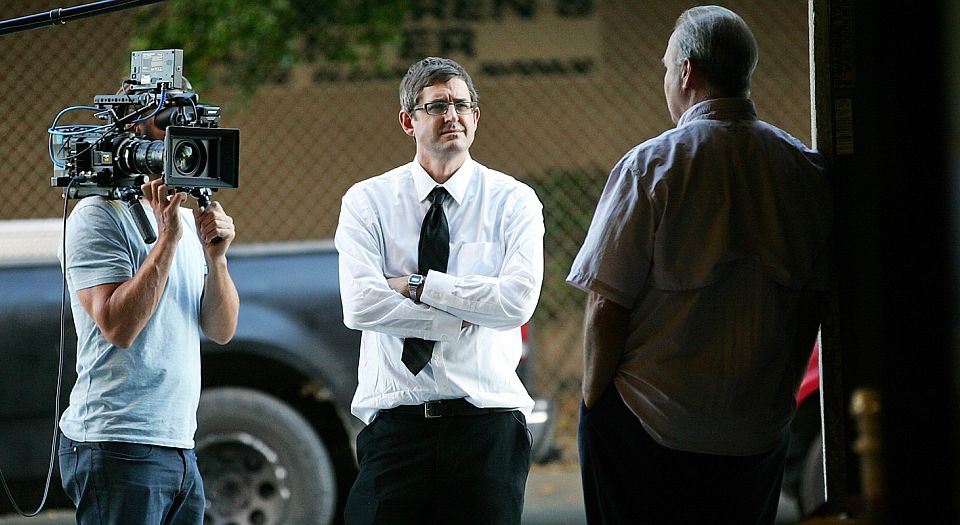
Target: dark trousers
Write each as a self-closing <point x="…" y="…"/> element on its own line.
<point x="628" y="478"/>
<point x="461" y="469"/>
<point x="131" y="484"/>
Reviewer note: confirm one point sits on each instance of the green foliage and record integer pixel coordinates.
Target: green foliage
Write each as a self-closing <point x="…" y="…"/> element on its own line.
<point x="244" y="43"/>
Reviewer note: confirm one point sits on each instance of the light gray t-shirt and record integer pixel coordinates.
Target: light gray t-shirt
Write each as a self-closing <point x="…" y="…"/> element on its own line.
<point x="147" y="393"/>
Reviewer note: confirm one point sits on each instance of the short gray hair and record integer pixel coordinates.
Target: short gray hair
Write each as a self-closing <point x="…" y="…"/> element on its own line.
<point x="722" y="47"/>
<point x="430" y="71"/>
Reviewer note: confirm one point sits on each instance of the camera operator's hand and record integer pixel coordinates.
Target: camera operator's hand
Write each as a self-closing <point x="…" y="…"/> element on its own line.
<point x="122" y="310"/>
<point x="220" y="307"/>
<point x="166" y="208"/>
<point x="215" y="229"/>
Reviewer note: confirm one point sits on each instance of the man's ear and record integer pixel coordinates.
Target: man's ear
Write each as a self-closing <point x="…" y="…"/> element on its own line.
<point x="406" y="122"/>
<point x="687" y="72"/>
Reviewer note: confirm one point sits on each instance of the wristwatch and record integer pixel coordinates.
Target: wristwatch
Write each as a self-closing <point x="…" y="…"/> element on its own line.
<point x="413" y="286"/>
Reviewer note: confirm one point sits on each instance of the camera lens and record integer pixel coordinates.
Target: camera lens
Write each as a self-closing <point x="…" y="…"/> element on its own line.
<point x="187" y="158"/>
<point x="139" y="156"/>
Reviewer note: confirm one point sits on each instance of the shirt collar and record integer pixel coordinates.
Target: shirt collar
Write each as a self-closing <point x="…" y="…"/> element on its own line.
<point x="456" y="185"/>
<point x="720" y="109"/>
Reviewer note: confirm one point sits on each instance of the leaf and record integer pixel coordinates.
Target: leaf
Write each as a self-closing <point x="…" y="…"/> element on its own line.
<point x="245" y="43"/>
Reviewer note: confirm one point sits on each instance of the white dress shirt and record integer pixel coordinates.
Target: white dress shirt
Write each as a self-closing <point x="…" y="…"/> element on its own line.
<point x="493" y="282"/>
<point x="712" y="234"/>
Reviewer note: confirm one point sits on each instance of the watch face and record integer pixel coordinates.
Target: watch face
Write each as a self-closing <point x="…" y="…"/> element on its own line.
<point x="413" y="284"/>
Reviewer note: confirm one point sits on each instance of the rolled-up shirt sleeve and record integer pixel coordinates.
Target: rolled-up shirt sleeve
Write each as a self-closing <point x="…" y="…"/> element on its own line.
<point x="508" y="299"/>
<point x="617" y="254"/>
<point x="368" y="301"/>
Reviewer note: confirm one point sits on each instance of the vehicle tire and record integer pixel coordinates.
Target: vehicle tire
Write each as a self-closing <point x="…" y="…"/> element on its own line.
<point x="811" y="478"/>
<point x="261" y="462"/>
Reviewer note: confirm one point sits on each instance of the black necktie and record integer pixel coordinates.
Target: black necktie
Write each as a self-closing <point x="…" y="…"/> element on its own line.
<point x="433" y="253"/>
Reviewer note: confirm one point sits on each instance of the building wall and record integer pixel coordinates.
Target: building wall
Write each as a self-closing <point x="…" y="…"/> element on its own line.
<point x="568" y="94"/>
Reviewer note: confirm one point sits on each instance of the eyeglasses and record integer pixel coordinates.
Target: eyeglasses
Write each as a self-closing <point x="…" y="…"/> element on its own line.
<point x="440" y="107"/>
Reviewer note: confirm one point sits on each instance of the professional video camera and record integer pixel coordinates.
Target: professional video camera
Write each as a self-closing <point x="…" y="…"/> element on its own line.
<point x="110" y="160"/>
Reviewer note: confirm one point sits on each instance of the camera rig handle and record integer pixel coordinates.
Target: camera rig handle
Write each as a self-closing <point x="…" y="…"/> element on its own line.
<point x="131" y="197"/>
<point x="201" y="194"/>
<point x="203" y="200"/>
<point x="129" y="193"/>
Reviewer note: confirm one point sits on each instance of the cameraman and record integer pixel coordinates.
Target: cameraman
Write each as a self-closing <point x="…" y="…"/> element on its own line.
<point x="126" y="453"/>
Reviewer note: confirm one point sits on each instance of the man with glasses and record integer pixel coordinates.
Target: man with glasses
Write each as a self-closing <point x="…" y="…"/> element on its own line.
<point x="441" y="262"/>
<point x="705" y="265"/>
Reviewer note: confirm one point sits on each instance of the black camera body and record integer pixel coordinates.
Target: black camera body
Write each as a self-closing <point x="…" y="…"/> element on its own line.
<point x="197" y="156"/>
<point x="196" y="153"/>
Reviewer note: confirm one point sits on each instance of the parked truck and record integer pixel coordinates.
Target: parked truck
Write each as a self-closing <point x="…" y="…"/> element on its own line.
<point x="275" y="438"/>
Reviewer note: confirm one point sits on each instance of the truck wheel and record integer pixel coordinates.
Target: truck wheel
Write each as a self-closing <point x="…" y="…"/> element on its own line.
<point x="261" y="462"/>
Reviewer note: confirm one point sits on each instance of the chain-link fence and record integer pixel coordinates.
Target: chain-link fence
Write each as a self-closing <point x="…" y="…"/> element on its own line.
<point x="566" y="87"/>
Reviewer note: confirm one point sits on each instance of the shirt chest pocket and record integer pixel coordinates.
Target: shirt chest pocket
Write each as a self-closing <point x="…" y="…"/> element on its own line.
<point x="479" y="258"/>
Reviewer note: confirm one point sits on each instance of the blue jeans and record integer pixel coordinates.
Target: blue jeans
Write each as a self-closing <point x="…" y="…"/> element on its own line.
<point x="131" y="484"/>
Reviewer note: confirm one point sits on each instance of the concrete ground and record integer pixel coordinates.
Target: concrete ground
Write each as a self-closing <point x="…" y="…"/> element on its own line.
<point x="553" y="497"/>
<point x="49" y="517"/>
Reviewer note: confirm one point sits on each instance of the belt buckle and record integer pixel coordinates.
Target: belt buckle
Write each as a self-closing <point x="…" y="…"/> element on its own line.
<point x="432" y="410"/>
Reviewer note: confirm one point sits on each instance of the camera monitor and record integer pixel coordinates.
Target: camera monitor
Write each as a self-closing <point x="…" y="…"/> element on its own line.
<point x="201" y="157"/>
<point x="149" y="69"/>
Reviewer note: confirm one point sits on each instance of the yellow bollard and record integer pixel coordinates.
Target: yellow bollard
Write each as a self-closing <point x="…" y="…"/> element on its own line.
<point x="865" y="408"/>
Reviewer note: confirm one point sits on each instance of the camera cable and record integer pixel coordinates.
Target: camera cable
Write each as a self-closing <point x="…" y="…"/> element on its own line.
<point x="56" y="409"/>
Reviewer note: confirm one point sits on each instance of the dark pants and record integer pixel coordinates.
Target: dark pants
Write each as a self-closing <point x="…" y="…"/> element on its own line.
<point x="461" y="469"/>
<point x="628" y="478"/>
<point x="131" y="484"/>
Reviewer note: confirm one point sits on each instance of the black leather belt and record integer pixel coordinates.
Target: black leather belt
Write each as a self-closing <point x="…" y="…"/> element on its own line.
<point x="443" y="408"/>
